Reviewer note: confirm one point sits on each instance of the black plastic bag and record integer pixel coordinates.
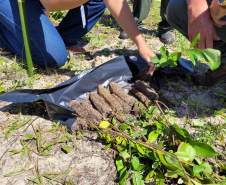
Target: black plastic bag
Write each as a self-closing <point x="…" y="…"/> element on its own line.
<point x="120" y="70"/>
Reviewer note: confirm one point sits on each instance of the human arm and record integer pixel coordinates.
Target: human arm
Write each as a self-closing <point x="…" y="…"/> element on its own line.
<point x="217" y="12"/>
<point x="199" y="21"/>
<point x="122" y="14"/>
<point x="59" y="5"/>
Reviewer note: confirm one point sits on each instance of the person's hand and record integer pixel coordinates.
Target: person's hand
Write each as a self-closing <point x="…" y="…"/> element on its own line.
<point x="146" y="53"/>
<point x="217" y="12"/>
<point x="199" y="21"/>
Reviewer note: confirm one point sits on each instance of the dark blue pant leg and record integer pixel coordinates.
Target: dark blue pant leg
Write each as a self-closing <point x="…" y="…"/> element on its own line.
<point x="47" y="46"/>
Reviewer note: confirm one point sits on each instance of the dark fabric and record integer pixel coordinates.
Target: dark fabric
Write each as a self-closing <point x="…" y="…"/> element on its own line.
<point x="164" y="26"/>
<point x="48" y="44"/>
<point x="141" y="9"/>
<point x="178" y="18"/>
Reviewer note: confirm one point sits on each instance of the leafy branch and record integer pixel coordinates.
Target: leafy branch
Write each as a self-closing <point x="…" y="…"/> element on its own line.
<point x="212" y="56"/>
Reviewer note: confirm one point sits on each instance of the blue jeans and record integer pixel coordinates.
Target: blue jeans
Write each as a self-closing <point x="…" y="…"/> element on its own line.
<point x="48" y="44"/>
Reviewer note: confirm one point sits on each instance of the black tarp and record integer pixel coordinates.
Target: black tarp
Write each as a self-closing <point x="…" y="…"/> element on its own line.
<point x="120" y="70"/>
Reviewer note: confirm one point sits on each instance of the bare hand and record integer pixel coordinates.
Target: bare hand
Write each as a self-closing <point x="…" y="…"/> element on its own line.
<point x="199" y="21"/>
<point x="217" y="12"/>
<point x="146" y="53"/>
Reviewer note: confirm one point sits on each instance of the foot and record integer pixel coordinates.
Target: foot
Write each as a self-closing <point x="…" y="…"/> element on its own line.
<point x="76" y="50"/>
<point x="123" y="35"/>
<point x="210" y="78"/>
<point x="166" y="38"/>
<point x="4" y="52"/>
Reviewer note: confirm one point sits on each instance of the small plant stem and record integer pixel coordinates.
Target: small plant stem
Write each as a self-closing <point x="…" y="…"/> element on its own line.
<point x="128" y="122"/>
<point x="23" y="18"/>
<point x="148" y="145"/>
<point x="167" y="121"/>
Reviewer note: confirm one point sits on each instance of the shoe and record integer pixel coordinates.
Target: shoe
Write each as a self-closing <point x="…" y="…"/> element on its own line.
<point x="211" y="78"/>
<point x="76" y="50"/>
<point x="166" y="38"/>
<point x="123" y="35"/>
<point x="4" y="52"/>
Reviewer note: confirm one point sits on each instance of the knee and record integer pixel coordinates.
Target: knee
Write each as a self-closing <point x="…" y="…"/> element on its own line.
<point x="54" y="57"/>
<point x="171" y="11"/>
<point x="176" y="10"/>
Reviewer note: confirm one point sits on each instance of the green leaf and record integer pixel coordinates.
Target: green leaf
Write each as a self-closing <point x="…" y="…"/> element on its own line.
<point x="150" y="174"/>
<point x="152" y="155"/>
<point x="182" y="49"/>
<point x="124" y="154"/>
<point x="152" y="136"/>
<point x="24" y="123"/>
<point x="191" y="56"/>
<point x="63" y="139"/>
<point x="197" y="53"/>
<point x="104" y="124"/>
<point x="155" y="60"/>
<point x="164" y="53"/>
<point x="155" y="164"/>
<point x="102" y="36"/>
<point x="140" y="149"/>
<point x="119" y="140"/>
<point x="137" y="179"/>
<point x="2" y="89"/>
<point x="123" y="126"/>
<point x="188" y="149"/>
<point x="113" y="121"/>
<point x="38" y="142"/>
<point x="120" y="148"/>
<point x="207" y="166"/>
<point x="106" y="147"/>
<point x="177" y="172"/>
<point x="195" y="41"/>
<point x="163" y="62"/>
<point x="171" y="160"/>
<point x="182" y="156"/>
<point x="213" y="57"/>
<point x="203" y="149"/>
<point x="138" y="123"/>
<point x="159" y="178"/>
<point x="66" y="149"/>
<point x="144" y="132"/>
<point x="136" y="133"/>
<point x="67" y="172"/>
<point x="123" y="176"/>
<point x="173" y="58"/>
<point x="153" y="110"/>
<point x="119" y="163"/>
<point x="135" y="162"/>
<point x="198" y="123"/>
<point x="197" y="169"/>
<point x="169" y="166"/>
<point x="14" y="173"/>
<point x="182" y="132"/>
<point x="29" y="136"/>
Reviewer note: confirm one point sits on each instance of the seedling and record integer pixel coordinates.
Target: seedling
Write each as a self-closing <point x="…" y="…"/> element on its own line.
<point x="210" y="55"/>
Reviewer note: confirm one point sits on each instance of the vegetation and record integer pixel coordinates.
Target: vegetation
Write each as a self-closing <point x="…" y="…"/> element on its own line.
<point x="150" y="147"/>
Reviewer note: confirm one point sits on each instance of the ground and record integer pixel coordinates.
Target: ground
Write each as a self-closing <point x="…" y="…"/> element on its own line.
<point x="195" y="110"/>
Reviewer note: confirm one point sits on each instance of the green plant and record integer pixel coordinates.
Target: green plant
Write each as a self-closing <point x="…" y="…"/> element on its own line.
<point x="147" y="148"/>
<point x="57" y="16"/>
<point x="210" y="55"/>
<point x="23" y="18"/>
